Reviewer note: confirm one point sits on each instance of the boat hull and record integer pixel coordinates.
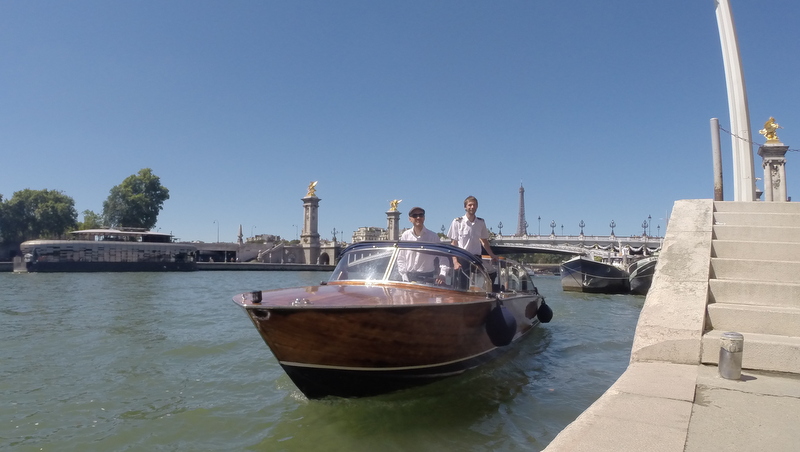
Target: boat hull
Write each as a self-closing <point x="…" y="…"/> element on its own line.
<point x="393" y="339"/>
<point x="641" y="275"/>
<point x="56" y="267"/>
<point x="585" y="275"/>
<point x="105" y="256"/>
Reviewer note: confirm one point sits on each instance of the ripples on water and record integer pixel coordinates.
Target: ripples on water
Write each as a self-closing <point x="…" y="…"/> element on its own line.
<point x="165" y="361"/>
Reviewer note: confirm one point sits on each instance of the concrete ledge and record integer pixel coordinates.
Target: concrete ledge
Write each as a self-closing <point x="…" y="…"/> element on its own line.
<point x="754" y="270"/>
<point x="756" y="413"/>
<point x="777" y="320"/>
<point x="671" y="324"/>
<point x="758" y="219"/>
<point x="753" y="292"/>
<point x="756" y="234"/>
<point x="770" y="207"/>
<point x="761" y="351"/>
<point x="737" y="249"/>
<point x="648" y="408"/>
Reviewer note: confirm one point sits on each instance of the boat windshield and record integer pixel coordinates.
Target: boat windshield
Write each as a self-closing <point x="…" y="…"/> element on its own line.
<point x="511" y="277"/>
<point x="436" y="266"/>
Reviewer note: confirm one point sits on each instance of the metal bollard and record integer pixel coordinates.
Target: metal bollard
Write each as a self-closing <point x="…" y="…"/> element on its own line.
<point x="730" y="355"/>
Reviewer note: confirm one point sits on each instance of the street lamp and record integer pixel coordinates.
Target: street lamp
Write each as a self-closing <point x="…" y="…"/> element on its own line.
<point x="612" y="225"/>
<point x="500" y="227"/>
<point x="562" y="229"/>
<point x="540" y="226"/>
<point x="215" y="221"/>
<point x="553" y="227"/>
<point x="644" y="228"/>
<point x="581" y="225"/>
<point x="649" y="224"/>
<point x="658" y="229"/>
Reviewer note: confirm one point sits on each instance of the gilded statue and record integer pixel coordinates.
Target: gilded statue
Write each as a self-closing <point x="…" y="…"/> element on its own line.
<point x="312" y="191"/>
<point x="394" y="204"/>
<point x="769" y="130"/>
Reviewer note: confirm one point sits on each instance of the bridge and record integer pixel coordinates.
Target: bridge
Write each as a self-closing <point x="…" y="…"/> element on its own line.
<point x="575" y="244"/>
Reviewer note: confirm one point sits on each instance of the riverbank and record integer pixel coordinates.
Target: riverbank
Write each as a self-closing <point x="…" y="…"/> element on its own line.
<point x="671" y="397"/>
<point x="231" y="266"/>
<point x="259" y="266"/>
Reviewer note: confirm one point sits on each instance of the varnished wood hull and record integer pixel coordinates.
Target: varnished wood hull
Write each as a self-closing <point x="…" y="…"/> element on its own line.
<point x="354" y="341"/>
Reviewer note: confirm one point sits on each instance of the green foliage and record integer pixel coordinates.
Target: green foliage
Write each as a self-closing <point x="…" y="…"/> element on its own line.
<point x="33" y="214"/>
<point x="91" y="220"/>
<point x="539" y="258"/>
<point x="136" y="202"/>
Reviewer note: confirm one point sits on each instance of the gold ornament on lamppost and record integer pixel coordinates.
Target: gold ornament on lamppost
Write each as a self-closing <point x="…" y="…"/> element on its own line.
<point x="769" y="130"/>
<point x="393" y="203"/>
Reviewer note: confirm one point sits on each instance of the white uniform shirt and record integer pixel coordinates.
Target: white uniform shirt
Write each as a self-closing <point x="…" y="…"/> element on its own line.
<point x="413" y="261"/>
<point x="468" y="234"/>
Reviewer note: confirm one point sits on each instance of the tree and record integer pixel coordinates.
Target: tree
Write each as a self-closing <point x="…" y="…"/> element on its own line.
<point x="91" y="220"/>
<point x="32" y="214"/>
<point x="136" y="202"/>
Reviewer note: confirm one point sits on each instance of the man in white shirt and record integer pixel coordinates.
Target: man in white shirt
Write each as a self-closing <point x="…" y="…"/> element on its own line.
<point x="469" y="232"/>
<point x="417" y="265"/>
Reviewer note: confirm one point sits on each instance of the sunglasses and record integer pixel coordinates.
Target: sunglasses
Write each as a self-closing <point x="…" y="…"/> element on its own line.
<point x="417" y="215"/>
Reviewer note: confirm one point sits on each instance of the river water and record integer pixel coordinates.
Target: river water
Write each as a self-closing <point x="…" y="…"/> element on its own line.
<point x="166" y="362"/>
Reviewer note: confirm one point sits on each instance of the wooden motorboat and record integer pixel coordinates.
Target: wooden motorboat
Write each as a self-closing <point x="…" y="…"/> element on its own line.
<point x="594" y="274"/>
<point x="377" y="326"/>
<point x="641" y="274"/>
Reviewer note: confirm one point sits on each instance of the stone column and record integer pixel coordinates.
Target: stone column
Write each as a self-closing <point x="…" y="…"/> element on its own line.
<point x="393" y="224"/>
<point x="773" y="155"/>
<point x="309" y="239"/>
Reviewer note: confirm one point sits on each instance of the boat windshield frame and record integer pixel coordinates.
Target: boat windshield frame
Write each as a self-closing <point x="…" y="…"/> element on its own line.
<point x="380" y="262"/>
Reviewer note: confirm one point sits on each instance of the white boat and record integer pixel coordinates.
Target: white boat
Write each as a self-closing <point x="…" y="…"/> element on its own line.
<point x="108" y="250"/>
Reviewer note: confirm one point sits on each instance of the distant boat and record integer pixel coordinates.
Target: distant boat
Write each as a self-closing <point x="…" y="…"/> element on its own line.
<point x="107" y="250"/>
<point x="641" y="274"/>
<point x="376" y="327"/>
<point x="596" y="274"/>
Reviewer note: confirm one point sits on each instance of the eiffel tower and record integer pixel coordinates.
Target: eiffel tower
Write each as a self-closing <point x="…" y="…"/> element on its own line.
<point x="522" y="225"/>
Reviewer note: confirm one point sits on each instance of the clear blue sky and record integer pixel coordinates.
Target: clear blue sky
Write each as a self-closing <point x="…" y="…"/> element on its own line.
<point x="600" y="108"/>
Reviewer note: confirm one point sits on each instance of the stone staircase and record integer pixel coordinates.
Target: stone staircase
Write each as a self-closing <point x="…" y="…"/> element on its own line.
<point x="754" y="283"/>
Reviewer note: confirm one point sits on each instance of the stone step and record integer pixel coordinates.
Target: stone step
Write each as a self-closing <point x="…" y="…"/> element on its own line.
<point x="763" y="352"/>
<point x="735" y="249"/>
<point x="756" y="234"/>
<point x="754" y="270"/>
<point x="777" y="320"/>
<point x="774" y="207"/>
<point x="758" y="219"/>
<point x="754" y="293"/>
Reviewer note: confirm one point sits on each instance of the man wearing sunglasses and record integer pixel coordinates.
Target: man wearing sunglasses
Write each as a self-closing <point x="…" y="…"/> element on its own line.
<point x="417" y="266"/>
